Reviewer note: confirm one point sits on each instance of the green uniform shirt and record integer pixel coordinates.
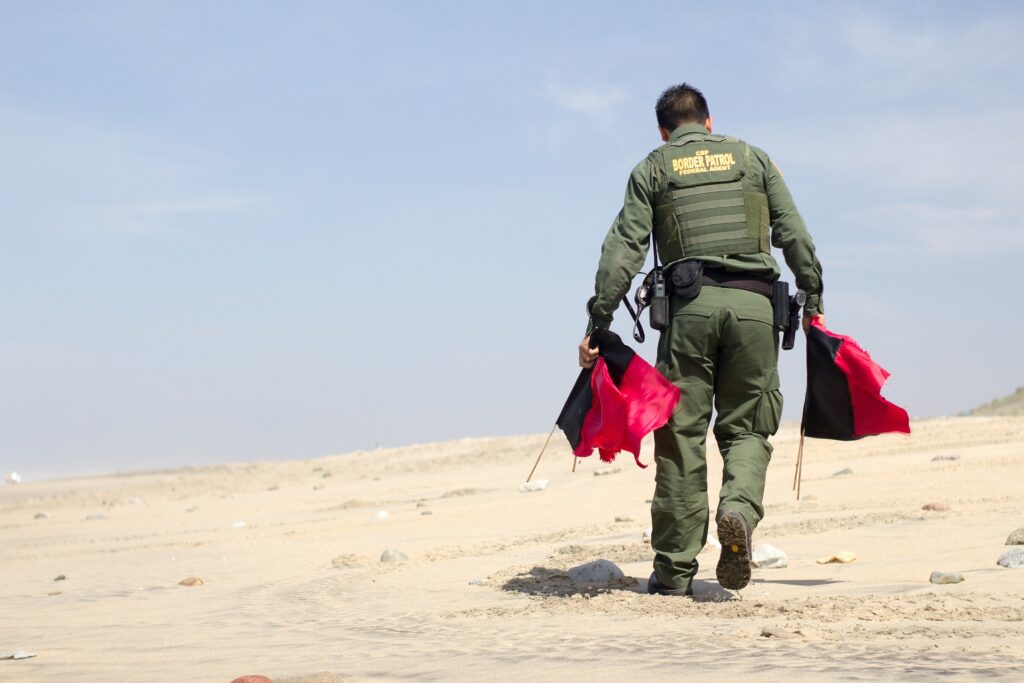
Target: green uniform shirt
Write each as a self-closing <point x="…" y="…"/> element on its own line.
<point x="625" y="248"/>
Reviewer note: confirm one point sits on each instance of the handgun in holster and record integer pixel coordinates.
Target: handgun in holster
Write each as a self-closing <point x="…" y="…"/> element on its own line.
<point x="786" y="312"/>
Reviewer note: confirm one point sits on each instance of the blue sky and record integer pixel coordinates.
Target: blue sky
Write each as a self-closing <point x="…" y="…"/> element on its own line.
<point x="279" y="230"/>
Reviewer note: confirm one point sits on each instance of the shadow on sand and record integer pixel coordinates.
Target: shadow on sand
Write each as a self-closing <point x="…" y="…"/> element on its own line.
<point x="550" y="582"/>
<point x="795" y="582"/>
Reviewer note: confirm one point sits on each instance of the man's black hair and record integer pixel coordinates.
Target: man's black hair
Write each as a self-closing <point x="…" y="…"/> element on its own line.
<point x="681" y="104"/>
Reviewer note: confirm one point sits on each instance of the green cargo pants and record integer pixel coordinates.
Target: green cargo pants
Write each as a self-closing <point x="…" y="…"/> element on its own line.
<point x="720" y="349"/>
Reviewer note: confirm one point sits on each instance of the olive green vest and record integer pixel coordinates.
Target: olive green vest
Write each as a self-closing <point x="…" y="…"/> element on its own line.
<point x="706" y="204"/>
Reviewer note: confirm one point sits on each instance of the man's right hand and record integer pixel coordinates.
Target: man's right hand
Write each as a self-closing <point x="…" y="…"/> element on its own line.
<point x="807" y="321"/>
<point x="588" y="356"/>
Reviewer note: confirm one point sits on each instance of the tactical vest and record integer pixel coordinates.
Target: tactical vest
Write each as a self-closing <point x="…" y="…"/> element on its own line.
<point x="707" y="204"/>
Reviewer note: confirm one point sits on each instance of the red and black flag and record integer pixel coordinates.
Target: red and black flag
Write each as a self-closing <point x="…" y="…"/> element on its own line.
<point x="614" y="404"/>
<point x="844" y="390"/>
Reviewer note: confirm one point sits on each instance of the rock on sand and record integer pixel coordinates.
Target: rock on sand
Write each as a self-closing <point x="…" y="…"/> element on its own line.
<point x="1012" y="558"/>
<point x="1016" y="538"/>
<point x="769" y="557"/>
<point x="533" y="486"/>
<point x="946" y="577"/>
<point x="596" y="572"/>
<point x="392" y="556"/>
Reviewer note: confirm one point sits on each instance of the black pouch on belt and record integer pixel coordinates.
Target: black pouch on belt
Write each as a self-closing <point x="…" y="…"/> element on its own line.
<point x="780" y="305"/>
<point x="686" y="279"/>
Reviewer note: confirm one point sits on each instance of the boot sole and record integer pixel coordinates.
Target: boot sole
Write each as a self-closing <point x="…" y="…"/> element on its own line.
<point x="733" y="569"/>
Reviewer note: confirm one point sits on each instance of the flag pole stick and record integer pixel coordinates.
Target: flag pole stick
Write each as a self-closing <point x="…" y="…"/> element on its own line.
<point x="542" y="449"/>
<point x="575" y="458"/>
<point x="798" y="475"/>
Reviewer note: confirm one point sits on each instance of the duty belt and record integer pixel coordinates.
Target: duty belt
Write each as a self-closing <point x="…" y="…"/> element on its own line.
<point x="722" y="278"/>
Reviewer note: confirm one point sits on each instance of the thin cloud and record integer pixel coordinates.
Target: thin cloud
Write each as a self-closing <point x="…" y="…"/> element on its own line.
<point x="941" y="231"/>
<point x="599" y="101"/>
<point x="159" y="218"/>
<point x="83" y="179"/>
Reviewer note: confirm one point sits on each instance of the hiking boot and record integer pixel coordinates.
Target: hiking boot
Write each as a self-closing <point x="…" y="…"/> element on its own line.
<point x="655" y="587"/>
<point x="733" y="569"/>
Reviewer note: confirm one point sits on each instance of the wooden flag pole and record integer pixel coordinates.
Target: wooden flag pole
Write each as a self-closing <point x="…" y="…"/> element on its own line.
<point x="798" y="475"/>
<point x="542" y="449"/>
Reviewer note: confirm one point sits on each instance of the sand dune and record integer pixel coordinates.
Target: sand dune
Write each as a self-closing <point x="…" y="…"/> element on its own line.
<point x="485" y="595"/>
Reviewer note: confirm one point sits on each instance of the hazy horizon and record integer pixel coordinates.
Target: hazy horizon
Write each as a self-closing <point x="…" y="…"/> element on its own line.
<point x="318" y="228"/>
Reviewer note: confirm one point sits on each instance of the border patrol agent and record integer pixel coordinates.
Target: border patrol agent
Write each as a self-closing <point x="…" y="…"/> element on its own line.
<point x="721" y="202"/>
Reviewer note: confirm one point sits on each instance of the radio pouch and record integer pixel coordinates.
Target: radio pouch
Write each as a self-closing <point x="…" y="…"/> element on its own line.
<point x="686" y="279"/>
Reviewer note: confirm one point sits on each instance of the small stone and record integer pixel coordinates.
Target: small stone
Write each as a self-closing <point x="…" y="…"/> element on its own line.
<point x="946" y="458"/>
<point x="275" y="487"/>
<point x="533" y="486"/>
<point x="649" y="501"/>
<point x="191" y="581"/>
<point x="946" y="577"/>
<point x="935" y="507"/>
<point x="477" y="582"/>
<point x="192" y="509"/>
<point x="1012" y="558"/>
<point x="381" y="515"/>
<point x="326" y="475"/>
<point x="421" y="503"/>
<point x="53" y="593"/>
<point x="1016" y="537"/>
<point x="845" y="557"/>
<point x="605" y="471"/>
<point x="96" y="517"/>
<point x="623" y="518"/>
<point x="41" y="515"/>
<point x="647" y="535"/>
<point x="60" y="577"/>
<point x="769" y="557"/>
<point x="392" y="556"/>
<point x="426" y="513"/>
<point x="239" y="525"/>
<point x="253" y="678"/>
<point x="845" y="472"/>
<point x="596" y="572"/>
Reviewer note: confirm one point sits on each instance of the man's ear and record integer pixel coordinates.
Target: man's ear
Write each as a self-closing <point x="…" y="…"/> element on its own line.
<point x="665" y="134"/>
<point x="709" y="123"/>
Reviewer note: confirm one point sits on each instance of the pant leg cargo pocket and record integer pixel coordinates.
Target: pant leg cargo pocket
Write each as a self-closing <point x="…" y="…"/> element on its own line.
<point x="769" y="408"/>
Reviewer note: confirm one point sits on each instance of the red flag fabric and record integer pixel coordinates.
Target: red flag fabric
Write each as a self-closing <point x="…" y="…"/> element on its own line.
<point x="844" y="385"/>
<point x="622" y="414"/>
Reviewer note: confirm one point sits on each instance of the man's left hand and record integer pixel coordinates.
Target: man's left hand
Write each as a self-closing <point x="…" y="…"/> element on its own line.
<point x="588" y="356"/>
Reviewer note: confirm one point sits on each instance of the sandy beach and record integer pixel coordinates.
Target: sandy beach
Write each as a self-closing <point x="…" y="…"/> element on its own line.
<point x="292" y="583"/>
